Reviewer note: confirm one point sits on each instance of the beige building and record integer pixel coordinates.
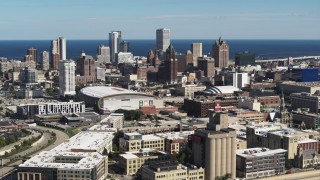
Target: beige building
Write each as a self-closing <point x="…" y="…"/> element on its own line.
<point x="136" y="141"/>
<point x="298" y="87"/>
<point x="305" y="100"/>
<point x="165" y="170"/>
<point x="131" y="162"/>
<point x="196" y="49"/>
<point x="220" y="52"/>
<point x="188" y="90"/>
<point x="249" y="103"/>
<point x="215" y="147"/>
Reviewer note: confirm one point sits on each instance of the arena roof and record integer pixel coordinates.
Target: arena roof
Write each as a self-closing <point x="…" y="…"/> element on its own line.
<point x="221" y="90"/>
<point x="104" y="91"/>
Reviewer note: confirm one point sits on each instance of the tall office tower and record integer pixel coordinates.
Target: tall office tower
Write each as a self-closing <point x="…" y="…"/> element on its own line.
<point x="28" y="76"/>
<point x="162" y="39"/>
<point x="86" y="65"/>
<point x="103" y="54"/>
<point x="150" y="57"/>
<point x="55" y="56"/>
<point x="62" y="48"/>
<point x="32" y="52"/>
<point x="114" y="44"/>
<point x="220" y="52"/>
<point x="124" y="46"/>
<point x="67" y="82"/>
<point x="45" y="60"/>
<point x="206" y="64"/>
<point x="169" y="67"/>
<point x="215" y="147"/>
<point x="189" y="57"/>
<point x="196" y="49"/>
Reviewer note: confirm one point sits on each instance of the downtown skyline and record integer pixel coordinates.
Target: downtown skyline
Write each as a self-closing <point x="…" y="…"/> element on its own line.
<point x="85" y="19"/>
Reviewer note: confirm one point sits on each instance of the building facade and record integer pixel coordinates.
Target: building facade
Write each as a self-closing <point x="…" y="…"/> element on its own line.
<point x="162" y="39"/>
<point x="305" y="100"/>
<point x="215" y="147"/>
<point x="114" y="44"/>
<point x="245" y="58"/>
<point x="196" y="49"/>
<point x="220" y="51"/>
<point x="45" y="62"/>
<point x="206" y="64"/>
<point x="67" y="82"/>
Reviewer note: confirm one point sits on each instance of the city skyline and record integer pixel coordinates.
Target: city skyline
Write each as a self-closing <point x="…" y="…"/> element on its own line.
<point x="232" y="19"/>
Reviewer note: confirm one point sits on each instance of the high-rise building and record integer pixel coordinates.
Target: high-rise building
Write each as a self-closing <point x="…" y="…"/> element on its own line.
<point x="55" y="54"/>
<point x="169" y="67"/>
<point x="103" y="54"/>
<point x="124" y="46"/>
<point x="162" y="39"/>
<point x="196" y="49"/>
<point x="206" y="64"/>
<point x="33" y="53"/>
<point x="67" y="78"/>
<point x="63" y="48"/>
<point x="86" y="65"/>
<point x="45" y="60"/>
<point x="245" y="58"/>
<point x="240" y="80"/>
<point x="220" y="52"/>
<point x="114" y="44"/>
<point x="215" y="147"/>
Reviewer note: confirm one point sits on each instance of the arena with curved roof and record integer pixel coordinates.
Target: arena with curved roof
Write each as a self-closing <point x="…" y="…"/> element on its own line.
<point x="109" y="99"/>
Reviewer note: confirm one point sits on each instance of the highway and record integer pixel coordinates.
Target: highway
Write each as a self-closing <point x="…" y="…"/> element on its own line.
<point x="61" y="137"/>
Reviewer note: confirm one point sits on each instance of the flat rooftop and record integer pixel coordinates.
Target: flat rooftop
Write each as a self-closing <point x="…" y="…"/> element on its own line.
<point x="102" y="128"/>
<point x="103" y="91"/>
<point x="305" y="84"/>
<point x="88" y="140"/>
<point x="258" y="152"/>
<point x="149" y="137"/>
<point x="175" y="135"/>
<point x="48" y="159"/>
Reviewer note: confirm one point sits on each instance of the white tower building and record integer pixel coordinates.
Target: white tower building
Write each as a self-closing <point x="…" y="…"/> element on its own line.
<point x="63" y="48"/>
<point x="67" y="82"/>
<point x="114" y="44"/>
<point x="163" y="39"/>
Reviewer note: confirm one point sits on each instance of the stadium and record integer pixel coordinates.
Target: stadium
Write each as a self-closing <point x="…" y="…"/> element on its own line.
<point x="108" y="99"/>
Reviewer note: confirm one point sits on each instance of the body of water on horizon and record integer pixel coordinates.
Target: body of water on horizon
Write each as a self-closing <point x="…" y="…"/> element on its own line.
<point x="264" y="49"/>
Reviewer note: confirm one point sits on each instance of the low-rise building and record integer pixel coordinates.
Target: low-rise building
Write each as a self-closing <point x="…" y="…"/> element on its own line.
<point x="175" y="142"/>
<point x="305" y="100"/>
<point x="163" y="170"/>
<point x="188" y="90"/>
<point x="64" y="165"/>
<point x="131" y="162"/>
<point x="136" y="141"/>
<point x="114" y="120"/>
<point x="305" y="120"/>
<point x="260" y="162"/>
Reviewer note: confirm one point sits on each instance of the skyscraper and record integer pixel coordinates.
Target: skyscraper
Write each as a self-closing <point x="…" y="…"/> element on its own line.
<point x="162" y="39"/>
<point x="32" y="52"/>
<point x="196" y="49"/>
<point x="55" y="54"/>
<point x="45" y="60"/>
<point x="62" y="48"/>
<point x="67" y="78"/>
<point x="103" y="54"/>
<point x="215" y="147"/>
<point x="206" y="64"/>
<point x="86" y="65"/>
<point x="220" y="52"/>
<point x="124" y="46"/>
<point x="114" y="44"/>
<point x="244" y="58"/>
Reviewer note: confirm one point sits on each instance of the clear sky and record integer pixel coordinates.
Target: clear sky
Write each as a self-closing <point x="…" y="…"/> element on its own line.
<point x="139" y="19"/>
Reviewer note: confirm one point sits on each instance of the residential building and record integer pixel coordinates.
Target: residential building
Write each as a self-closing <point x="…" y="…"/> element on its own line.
<point x="163" y="170"/>
<point x="114" y="120"/>
<point x="32" y="52"/>
<point x="45" y="63"/>
<point x="214" y="148"/>
<point x="86" y="65"/>
<point x="67" y="78"/>
<point x="255" y="163"/>
<point x="114" y="44"/>
<point x="168" y="69"/>
<point x="197" y="107"/>
<point x="176" y="142"/>
<point x="63" y="48"/>
<point x="103" y="54"/>
<point x="162" y="39"/>
<point x="220" y="52"/>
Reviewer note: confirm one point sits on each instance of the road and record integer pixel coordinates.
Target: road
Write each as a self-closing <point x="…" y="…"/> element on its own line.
<point x="11" y="146"/>
<point x="307" y="175"/>
<point x="61" y="137"/>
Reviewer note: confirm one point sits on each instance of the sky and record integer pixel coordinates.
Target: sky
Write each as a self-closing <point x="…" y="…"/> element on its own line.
<point x="139" y="19"/>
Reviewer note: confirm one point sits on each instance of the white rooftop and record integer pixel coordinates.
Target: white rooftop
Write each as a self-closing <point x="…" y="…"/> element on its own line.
<point x="103" y="91"/>
<point x="258" y="152"/>
<point x="102" y="128"/>
<point x="307" y="141"/>
<point x="175" y="135"/>
<point x="89" y="140"/>
<point x="47" y="159"/>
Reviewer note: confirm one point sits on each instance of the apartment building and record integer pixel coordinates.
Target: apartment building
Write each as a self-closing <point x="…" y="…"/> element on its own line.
<point x="136" y="141"/>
